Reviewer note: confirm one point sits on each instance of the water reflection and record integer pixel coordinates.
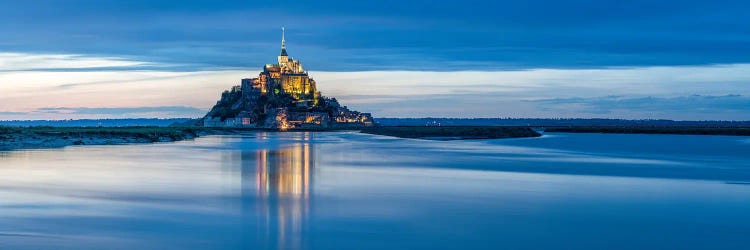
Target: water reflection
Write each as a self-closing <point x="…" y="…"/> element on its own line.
<point x="279" y="183"/>
<point x="351" y="191"/>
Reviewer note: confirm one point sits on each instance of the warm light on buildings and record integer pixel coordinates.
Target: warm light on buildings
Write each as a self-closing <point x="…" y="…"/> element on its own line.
<point x="283" y="96"/>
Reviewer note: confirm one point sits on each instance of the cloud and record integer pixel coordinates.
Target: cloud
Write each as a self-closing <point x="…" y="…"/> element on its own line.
<point x="544" y="83"/>
<point x="29" y="93"/>
<point x="164" y="111"/>
<point x="27" y="62"/>
<point x="433" y="105"/>
<point x="694" y="106"/>
<point x="629" y="59"/>
<point x="64" y="113"/>
<point x="372" y="35"/>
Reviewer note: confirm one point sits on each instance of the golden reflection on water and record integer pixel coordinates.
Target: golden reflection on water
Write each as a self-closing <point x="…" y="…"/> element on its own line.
<point x="282" y="190"/>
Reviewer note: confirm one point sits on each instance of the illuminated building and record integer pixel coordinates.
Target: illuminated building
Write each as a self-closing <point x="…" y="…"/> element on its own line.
<point x="286" y="77"/>
<point x="283" y="96"/>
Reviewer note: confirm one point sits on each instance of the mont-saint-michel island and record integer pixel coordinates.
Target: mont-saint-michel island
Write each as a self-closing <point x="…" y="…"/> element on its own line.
<point x="283" y="96"/>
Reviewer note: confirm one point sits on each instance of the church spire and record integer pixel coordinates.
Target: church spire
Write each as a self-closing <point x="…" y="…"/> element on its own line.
<point x="283" y="42"/>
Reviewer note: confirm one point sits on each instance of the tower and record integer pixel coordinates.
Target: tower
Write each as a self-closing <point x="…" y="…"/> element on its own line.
<point x="283" y="57"/>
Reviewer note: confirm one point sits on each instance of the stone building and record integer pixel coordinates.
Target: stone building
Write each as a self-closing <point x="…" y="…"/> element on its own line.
<point x="282" y="96"/>
<point x="287" y="77"/>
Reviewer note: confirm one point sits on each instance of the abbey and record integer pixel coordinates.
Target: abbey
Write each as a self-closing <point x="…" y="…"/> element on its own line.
<point x="283" y="96"/>
<point x="285" y="77"/>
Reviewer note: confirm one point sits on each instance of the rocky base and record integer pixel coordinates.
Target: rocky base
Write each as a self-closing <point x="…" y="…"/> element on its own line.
<point x="240" y="108"/>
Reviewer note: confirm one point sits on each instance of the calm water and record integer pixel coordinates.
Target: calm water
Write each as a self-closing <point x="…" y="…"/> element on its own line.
<point x="353" y="191"/>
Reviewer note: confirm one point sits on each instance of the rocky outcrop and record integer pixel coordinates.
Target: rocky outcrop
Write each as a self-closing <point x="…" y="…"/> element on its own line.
<point x="237" y="108"/>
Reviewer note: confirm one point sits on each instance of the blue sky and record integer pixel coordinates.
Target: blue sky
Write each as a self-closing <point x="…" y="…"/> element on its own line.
<point x="515" y="58"/>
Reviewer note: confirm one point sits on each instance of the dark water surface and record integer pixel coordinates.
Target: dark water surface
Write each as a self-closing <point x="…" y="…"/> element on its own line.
<point x="353" y="191"/>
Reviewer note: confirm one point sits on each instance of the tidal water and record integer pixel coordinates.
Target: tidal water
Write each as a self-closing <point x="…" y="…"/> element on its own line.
<point x="344" y="190"/>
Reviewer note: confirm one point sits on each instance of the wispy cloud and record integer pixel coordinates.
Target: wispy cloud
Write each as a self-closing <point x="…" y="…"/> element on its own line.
<point x="165" y="111"/>
<point x="694" y="106"/>
<point x="366" y="35"/>
<point x="29" y="62"/>
<point x="105" y="112"/>
<point x="101" y="93"/>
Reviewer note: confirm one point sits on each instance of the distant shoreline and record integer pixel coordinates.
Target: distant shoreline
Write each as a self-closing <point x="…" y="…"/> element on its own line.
<point x="16" y="138"/>
<point x="424" y="121"/>
<point x="43" y="137"/>
<point x="733" y="131"/>
<point x="453" y="132"/>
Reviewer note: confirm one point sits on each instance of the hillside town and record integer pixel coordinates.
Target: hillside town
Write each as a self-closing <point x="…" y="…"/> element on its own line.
<point x="283" y="96"/>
